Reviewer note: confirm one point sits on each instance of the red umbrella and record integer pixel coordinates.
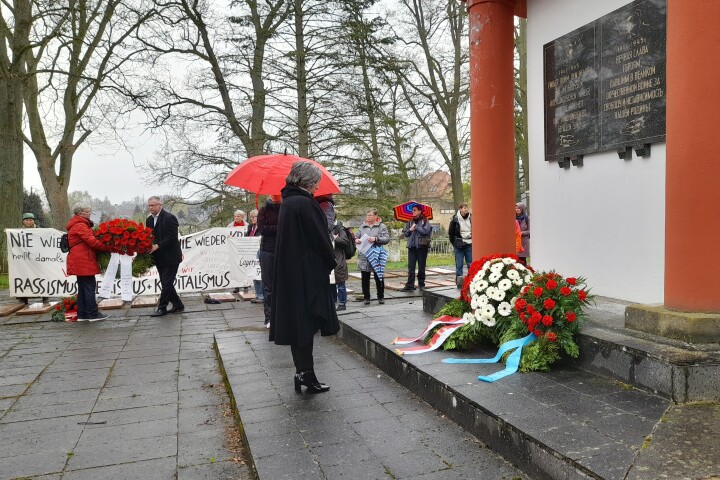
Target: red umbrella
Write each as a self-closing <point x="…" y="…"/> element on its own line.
<point x="265" y="174"/>
<point x="403" y="212"/>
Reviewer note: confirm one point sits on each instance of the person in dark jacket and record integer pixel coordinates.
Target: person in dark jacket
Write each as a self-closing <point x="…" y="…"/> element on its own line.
<point x="460" y="233"/>
<point x="524" y="221"/>
<point x="304" y="258"/>
<point x="267" y="228"/>
<point x="341" y="243"/>
<point x="82" y="261"/>
<point x="416" y="229"/>
<point x="167" y="255"/>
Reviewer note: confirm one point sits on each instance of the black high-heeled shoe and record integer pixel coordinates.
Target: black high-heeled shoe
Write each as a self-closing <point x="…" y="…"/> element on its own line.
<point x="308" y="378"/>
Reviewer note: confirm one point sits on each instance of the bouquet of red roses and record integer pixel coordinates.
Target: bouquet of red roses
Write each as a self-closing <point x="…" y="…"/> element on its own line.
<point x="552" y="307"/>
<point x="126" y="237"/>
<point x="65" y="310"/>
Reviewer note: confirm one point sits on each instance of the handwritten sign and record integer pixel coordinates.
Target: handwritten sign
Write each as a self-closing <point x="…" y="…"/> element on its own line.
<point x="214" y="259"/>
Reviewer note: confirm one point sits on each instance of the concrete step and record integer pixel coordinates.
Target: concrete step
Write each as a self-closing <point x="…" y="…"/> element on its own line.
<point x="564" y="424"/>
<point x="680" y="371"/>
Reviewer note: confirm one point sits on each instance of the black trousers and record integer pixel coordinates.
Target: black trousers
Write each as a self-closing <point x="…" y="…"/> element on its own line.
<point x="379" y="284"/>
<point x="267" y="264"/>
<point x="302" y="357"/>
<point x="167" y="283"/>
<point x="419" y="256"/>
<point x="86" y="303"/>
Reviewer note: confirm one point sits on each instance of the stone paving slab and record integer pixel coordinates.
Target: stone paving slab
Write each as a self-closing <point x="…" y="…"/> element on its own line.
<point x="132" y="397"/>
<point x="366" y="426"/>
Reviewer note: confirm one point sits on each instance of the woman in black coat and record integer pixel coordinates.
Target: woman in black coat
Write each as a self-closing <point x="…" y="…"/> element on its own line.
<point x="304" y="258"/>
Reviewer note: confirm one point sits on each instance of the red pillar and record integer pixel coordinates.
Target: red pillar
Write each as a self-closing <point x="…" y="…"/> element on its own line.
<point x="492" y="129"/>
<point x="692" y="196"/>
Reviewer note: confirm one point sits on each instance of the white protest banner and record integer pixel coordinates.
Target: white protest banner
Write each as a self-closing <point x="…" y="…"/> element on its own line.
<point x="214" y="259"/>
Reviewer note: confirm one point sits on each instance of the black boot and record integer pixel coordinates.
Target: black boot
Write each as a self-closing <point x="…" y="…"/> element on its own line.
<point x="308" y="378"/>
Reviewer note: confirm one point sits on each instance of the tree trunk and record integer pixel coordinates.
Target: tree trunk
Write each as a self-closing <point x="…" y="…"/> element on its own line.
<point x="12" y="72"/>
<point x="301" y="83"/>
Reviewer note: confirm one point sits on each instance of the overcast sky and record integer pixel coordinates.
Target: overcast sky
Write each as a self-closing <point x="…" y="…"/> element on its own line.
<point x="103" y="172"/>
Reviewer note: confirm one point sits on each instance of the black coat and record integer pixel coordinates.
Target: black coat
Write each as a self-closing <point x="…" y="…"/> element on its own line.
<point x="304" y="258"/>
<point x="267" y="225"/>
<point x="165" y="235"/>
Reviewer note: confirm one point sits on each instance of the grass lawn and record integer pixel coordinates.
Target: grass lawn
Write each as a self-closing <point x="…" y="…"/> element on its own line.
<point x="4" y="282"/>
<point x="432" y="261"/>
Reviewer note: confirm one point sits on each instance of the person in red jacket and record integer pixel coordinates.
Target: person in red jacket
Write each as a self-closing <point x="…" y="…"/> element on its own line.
<point x="82" y="261"/>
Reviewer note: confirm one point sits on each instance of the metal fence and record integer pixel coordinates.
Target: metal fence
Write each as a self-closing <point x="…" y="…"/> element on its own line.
<point x="397" y="248"/>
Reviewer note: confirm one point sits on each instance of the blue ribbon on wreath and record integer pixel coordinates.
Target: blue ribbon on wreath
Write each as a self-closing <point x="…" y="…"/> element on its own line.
<point x="511" y="364"/>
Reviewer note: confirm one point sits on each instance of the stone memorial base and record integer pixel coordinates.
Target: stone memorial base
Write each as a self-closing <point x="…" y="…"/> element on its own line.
<point x="440" y="271"/>
<point x="142" y="302"/>
<point x="6" y="310"/>
<point x="229" y="297"/>
<point x="111" y="304"/>
<point x="689" y="327"/>
<point x="35" y="308"/>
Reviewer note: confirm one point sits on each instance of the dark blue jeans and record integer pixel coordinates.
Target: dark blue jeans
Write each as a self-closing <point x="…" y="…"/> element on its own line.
<point x="462" y="253"/>
<point x="86" y="303"/>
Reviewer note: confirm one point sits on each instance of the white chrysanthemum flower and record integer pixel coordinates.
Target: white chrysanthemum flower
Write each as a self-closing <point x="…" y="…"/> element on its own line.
<point x="489" y="321"/>
<point x="482" y="285"/>
<point x="520" y="267"/>
<point x="497" y="267"/>
<point x="487" y="310"/>
<point x="469" y="318"/>
<point x="513" y="274"/>
<point x="528" y="278"/>
<point x="519" y="282"/>
<point x="494" y="277"/>
<point x="505" y="284"/>
<point x="504" y="309"/>
<point x="482" y="300"/>
<point x="513" y="300"/>
<point x="499" y="295"/>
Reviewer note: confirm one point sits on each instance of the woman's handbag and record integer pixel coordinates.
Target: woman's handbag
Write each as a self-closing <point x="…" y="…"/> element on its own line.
<point x="423" y="242"/>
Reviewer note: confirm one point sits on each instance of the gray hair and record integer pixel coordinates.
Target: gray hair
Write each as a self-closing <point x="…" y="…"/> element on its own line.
<point x="156" y="199"/>
<point x="80" y="207"/>
<point x="303" y="175"/>
<point x="239" y="212"/>
<point x="253" y="212"/>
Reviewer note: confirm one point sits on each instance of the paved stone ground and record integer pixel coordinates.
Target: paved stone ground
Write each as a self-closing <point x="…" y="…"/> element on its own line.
<point x="366" y="427"/>
<point x="129" y="397"/>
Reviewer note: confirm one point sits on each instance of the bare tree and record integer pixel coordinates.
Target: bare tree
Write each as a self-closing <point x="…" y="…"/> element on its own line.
<point x="433" y="75"/>
<point x="522" y="176"/>
<point x="207" y="90"/>
<point x="15" y="21"/>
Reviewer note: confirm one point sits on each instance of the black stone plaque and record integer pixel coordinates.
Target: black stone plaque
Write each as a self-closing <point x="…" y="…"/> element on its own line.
<point x="571" y="94"/>
<point x="632" y="84"/>
<point x="605" y="83"/>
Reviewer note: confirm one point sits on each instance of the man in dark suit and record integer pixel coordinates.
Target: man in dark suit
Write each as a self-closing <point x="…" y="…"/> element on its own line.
<point x="167" y="255"/>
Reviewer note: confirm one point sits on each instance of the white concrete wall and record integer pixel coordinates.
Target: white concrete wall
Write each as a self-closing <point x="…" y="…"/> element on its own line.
<point x="605" y="220"/>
